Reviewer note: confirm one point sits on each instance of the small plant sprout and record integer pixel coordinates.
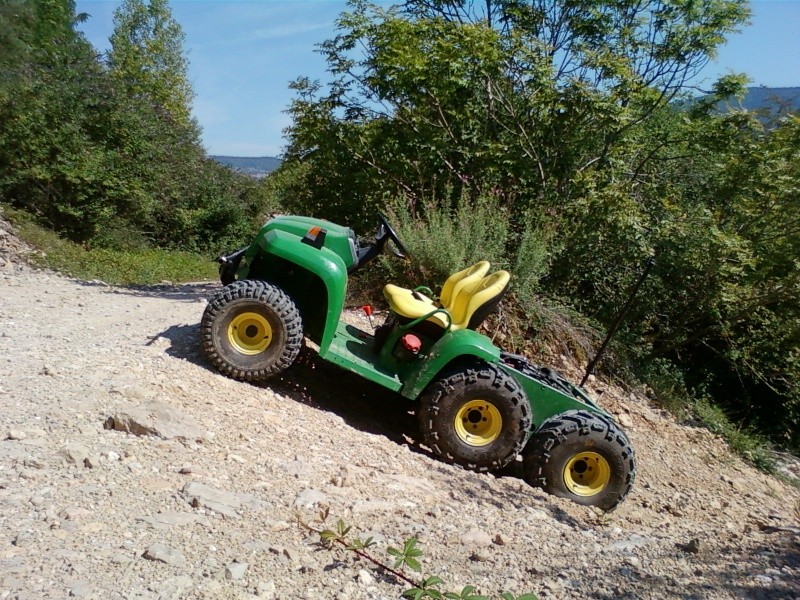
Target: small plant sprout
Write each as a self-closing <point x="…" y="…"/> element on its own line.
<point x="408" y="557"/>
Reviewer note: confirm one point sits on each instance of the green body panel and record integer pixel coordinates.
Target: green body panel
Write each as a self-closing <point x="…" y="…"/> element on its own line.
<point x="337" y="238"/>
<point x="547" y="401"/>
<point x="354" y="350"/>
<point x="324" y="263"/>
<point x="451" y="346"/>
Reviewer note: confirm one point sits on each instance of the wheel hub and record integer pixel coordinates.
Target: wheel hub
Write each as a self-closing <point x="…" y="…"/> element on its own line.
<point x="478" y="423"/>
<point x="587" y="474"/>
<point x="250" y="333"/>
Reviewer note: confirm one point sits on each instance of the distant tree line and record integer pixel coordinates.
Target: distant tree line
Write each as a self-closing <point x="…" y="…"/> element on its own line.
<point x="103" y="149"/>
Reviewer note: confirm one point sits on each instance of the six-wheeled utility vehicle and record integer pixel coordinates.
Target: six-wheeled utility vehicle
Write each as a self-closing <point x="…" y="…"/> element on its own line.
<point x="478" y="407"/>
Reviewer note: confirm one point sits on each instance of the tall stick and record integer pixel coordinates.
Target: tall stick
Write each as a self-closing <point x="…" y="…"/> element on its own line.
<point x="648" y="267"/>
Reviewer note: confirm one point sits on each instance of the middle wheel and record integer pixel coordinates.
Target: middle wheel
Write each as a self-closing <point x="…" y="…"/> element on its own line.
<point x="476" y="416"/>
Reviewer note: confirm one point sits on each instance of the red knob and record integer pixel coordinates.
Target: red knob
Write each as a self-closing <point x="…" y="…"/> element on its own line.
<point x="411" y="343"/>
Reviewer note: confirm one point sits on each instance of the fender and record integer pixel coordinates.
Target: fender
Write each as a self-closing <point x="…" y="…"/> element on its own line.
<point x="322" y="262"/>
<point x="463" y="343"/>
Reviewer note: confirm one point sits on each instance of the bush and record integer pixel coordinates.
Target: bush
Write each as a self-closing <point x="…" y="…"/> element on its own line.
<point x="744" y="442"/>
<point x="140" y="266"/>
<point x="445" y="240"/>
<point x="530" y="251"/>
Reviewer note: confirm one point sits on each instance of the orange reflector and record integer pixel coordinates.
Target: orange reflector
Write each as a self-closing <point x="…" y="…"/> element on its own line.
<point x="315" y="237"/>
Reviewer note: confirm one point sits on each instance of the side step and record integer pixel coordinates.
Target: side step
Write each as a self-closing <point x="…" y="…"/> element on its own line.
<point x="354" y="350"/>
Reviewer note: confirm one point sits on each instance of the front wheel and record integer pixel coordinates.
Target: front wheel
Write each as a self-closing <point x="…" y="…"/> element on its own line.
<point x="477" y="417"/>
<point x="251" y="331"/>
<point x="581" y="456"/>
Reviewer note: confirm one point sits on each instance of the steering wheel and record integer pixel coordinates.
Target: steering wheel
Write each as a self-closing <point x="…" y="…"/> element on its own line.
<point x="385" y="233"/>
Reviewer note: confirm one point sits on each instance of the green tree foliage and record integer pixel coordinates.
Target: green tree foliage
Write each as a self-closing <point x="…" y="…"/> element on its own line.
<point x="15" y="33"/>
<point x="735" y="259"/>
<point x="147" y="58"/>
<point x="573" y="117"/>
<point x="96" y="161"/>
<point x="517" y="97"/>
<point x="51" y="164"/>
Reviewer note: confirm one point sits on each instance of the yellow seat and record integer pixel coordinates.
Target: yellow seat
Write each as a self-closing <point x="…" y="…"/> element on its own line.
<point x="401" y="302"/>
<point x="457" y="281"/>
<point x="450" y="289"/>
<point x="473" y="302"/>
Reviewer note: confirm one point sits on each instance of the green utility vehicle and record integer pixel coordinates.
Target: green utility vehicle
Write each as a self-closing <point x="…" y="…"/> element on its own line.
<point x="479" y="407"/>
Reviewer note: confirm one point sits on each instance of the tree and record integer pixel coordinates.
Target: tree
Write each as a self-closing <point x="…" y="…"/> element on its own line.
<point x="433" y="98"/>
<point x="15" y="36"/>
<point x="96" y="162"/>
<point x="147" y="58"/>
<point x="51" y="162"/>
<point x="736" y="325"/>
<point x="575" y="116"/>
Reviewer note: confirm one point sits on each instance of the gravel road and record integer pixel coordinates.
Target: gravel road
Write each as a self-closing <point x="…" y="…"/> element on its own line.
<point x="129" y="469"/>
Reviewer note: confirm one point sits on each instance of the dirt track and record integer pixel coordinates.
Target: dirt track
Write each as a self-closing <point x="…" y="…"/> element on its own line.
<point x="92" y="512"/>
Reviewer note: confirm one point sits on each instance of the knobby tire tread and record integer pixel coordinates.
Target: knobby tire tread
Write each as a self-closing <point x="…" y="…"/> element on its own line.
<point x="460" y="380"/>
<point x="279" y="302"/>
<point x="563" y="429"/>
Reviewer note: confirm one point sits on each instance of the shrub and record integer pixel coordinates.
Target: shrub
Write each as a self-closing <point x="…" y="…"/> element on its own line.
<point x="445" y="239"/>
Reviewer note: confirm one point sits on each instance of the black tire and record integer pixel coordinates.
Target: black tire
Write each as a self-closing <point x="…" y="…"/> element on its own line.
<point x="251" y="331"/>
<point x="476" y="417"/>
<point x="581" y="456"/>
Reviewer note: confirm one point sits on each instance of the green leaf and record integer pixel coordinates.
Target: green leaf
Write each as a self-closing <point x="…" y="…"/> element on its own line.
<point x="323" y="513"/>
<point x="432" y="581"/>
<point x="412" y="563"/>
<point x="467" y="594"/>
<point x="341" y="528"/>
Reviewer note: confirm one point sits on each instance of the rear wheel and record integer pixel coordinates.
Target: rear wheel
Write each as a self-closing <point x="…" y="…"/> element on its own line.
<point x="581" y="456"/>
<point x="251" y="330"/>
<point x="476" y="417"/>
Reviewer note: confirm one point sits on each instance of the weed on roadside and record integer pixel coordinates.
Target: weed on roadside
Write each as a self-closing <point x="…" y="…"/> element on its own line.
<point x="139" y="266"/>
<point x="405" y="562"/>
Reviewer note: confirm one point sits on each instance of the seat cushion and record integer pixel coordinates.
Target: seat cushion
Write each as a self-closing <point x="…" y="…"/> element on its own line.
<point x="457" y="281"/>
<point x="403" y="302"/>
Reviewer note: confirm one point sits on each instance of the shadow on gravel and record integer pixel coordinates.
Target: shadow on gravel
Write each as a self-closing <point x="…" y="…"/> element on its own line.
<point x="187" y="292"/>
<point x="365" y="406"/>
<point x="184" y="344"/>
<point x="360" y="403"/>
<point x="776" y="579"/>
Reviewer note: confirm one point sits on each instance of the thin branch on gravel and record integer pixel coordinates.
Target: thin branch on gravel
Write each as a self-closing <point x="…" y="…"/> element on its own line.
<point x="348" y="546"/>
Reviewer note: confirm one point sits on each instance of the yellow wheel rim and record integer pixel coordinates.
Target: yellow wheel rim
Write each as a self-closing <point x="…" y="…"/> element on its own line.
<point x="250" y="333"/>
<point x="587" y="474"/>
<point x="478" y="423"/>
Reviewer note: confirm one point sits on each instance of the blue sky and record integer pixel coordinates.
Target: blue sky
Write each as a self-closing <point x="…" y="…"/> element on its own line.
<point x="244" y="53"/>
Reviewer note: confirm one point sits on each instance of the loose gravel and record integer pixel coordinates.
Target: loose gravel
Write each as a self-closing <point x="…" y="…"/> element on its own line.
<point x="130" y="469"/>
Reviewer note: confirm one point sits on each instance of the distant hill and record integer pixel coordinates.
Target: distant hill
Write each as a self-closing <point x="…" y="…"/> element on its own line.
<point x="255" y="166"/>
<point x="784" y="99"/>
